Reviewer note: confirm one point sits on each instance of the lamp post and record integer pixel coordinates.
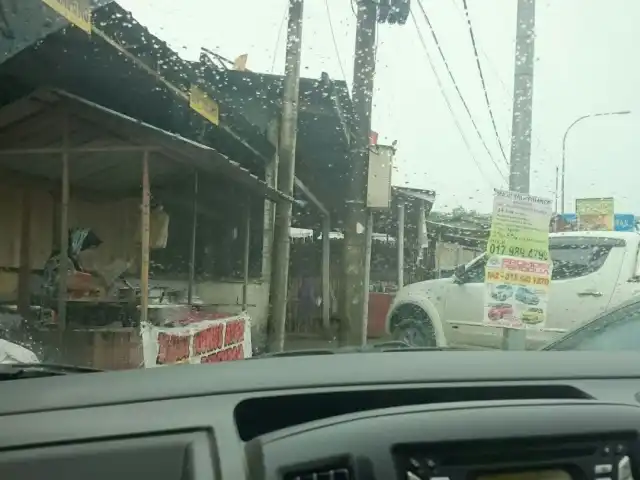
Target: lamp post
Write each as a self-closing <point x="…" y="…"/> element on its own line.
<point x="564" y="144"/>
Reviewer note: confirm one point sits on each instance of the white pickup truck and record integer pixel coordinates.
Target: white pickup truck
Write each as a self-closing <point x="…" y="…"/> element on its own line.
<point x="592" y="272"/>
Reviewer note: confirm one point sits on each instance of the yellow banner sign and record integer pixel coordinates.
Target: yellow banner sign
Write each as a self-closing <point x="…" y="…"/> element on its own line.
<point x="595" y="214"/>
<point x="77" y="12"/>
<point x="520" y="226"/>
<point x="201" y="103"/>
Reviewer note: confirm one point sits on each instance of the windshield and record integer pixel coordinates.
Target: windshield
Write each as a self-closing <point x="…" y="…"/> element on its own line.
<point x="206" y="181"/>
<point x="618" y="330"/>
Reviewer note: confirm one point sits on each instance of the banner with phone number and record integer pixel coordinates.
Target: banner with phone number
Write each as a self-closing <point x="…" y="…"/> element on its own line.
<point x="517" y="292"/>
<point x="520" y="226"/>
<point x="518" y="268"/>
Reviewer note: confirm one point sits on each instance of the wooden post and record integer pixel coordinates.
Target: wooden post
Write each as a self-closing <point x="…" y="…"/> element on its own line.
<point x="368" y="232"/>
<point x="245" y="266"/>
<point x="422" y="233"/>
<point x="400" y="244"/>
<point x="144" y="240"/>
<point x="326" y="273"/>
<point x="24" y="276"/>
<point x="194" y="231"/>
<point x="64" y="231"/>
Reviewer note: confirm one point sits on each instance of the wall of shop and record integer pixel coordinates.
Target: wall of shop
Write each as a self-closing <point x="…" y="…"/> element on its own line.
<point x="115" y="222"/>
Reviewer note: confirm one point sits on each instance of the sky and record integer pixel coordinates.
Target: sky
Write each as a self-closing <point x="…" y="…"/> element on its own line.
<point x="584" y="65"/>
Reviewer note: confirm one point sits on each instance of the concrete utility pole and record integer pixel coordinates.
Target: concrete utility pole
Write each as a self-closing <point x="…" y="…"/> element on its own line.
<point x="354" y="297"/>
<point x="520" y="164"/>
<point x="286" y="176"/>
<point x="556" y="192"/>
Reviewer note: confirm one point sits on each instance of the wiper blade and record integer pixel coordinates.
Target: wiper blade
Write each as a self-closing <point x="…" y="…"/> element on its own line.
<point x="12" y="371"/>
<point x="297" y="353"/>
<point x="392" y="346"/>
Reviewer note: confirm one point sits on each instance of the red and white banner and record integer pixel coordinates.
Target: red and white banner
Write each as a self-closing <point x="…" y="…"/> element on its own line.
<point x="206" y="341"/>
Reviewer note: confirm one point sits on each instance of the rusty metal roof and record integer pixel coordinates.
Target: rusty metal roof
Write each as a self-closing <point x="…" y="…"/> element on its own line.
<point x="408" y="193"/>
<point x="108" y="146"/>
<point x="25" y="22"/>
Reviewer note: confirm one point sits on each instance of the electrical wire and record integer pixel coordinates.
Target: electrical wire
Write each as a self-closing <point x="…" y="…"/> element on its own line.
<point x="279" y="37"/>
<point x="484" y="84"/>
<point x="505" y="89"/>
<point x="353" y="8"/>
<point x="448" y="103"/>
<point x="455" y="84"/>
<point x="335" y="43"/>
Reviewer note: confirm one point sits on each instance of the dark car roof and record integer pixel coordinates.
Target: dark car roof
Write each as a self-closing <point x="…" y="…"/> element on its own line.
<point x="633" y="301"/>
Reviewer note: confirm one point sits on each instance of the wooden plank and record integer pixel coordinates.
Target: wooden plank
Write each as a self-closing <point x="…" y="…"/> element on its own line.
<point x="24" y="276"/>
<point x="144" y="240"/>
<point x="64" y="234"/>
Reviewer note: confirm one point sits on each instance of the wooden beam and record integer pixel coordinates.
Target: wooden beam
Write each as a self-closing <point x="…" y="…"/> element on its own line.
<point x="245" y="265"/>
<point x="64" y="233"/>
<point x="59" y="150"/>
<point x="144" y="241"/>
<point x="24" y="275"/>
<point x="194" y="234"/>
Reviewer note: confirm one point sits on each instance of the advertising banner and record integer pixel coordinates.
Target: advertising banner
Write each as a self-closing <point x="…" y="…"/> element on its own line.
<point x="622" y="222"/>
<point x="519" y="226"/>
<point x="595" y="214"/>
<point x="205" y="106"/>
<point x="206" y="341"/>
<point x="517" y="292"/>
<point x="518" y="269"/>
<point x="77" y="12"/>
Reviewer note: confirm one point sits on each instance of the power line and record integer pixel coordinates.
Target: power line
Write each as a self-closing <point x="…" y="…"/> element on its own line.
<point x="278" y="38"/>
<point x="495" y="71"/>
<point x="484" y="84"/>
<point x="455" y="84"/>
<point x="446" y="99"/>
<point x="335" y="43"/>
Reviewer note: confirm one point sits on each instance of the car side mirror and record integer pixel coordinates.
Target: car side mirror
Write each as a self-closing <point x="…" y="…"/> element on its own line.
<point x="460" y="274"/>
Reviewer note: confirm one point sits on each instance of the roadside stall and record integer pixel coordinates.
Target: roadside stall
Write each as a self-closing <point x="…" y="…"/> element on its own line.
<point x="401" y="215"/>
<point x="95" y="316"/>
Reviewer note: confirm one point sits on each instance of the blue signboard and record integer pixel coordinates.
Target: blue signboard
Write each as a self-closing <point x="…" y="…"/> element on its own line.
<point x="624" y="222"/>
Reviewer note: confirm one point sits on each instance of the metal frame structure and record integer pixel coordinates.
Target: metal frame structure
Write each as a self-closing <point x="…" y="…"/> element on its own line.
<point x="107" y="134"/>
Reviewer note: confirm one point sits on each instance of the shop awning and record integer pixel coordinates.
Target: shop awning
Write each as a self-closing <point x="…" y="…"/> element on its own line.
<point x="105" y="147"/>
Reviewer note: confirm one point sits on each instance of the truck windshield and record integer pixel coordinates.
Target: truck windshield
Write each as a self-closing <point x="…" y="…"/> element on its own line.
<point x="578" y="256"/>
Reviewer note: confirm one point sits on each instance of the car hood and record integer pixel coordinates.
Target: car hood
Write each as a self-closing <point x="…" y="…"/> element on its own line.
<point x="430" y="289"/>
<point x="14" y="353"/>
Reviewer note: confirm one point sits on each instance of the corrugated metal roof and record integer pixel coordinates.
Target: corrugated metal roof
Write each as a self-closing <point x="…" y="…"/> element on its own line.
<point x="415" y="193"/>
<point x="35" y="122"/>
<point x="27" y="22"/>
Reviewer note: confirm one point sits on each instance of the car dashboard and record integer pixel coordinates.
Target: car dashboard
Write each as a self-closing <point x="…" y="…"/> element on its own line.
<point x="386" y="415"/>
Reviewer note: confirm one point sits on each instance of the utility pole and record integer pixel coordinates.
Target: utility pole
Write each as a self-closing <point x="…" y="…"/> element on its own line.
<point x="520" y="164"/>
<point x="286" y="176"/>
<point x="354" y="297"/>
<point x="555" y="195"/>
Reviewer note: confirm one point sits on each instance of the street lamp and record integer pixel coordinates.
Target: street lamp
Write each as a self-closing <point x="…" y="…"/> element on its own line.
<point x="564" y="142"/>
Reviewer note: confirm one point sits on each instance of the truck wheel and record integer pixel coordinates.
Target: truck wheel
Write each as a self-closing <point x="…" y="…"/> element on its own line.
<point x="413" y="327"/>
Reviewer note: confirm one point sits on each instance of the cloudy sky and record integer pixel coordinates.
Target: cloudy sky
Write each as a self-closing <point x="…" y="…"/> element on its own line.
<point x="585" y="64"/>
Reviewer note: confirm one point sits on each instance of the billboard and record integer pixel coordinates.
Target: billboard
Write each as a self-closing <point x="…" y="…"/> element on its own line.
<point x="595" y="214"/>
<point x="622" y="222"/>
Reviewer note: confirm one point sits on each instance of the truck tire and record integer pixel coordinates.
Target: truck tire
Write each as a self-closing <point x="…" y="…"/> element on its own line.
<point x="413" y="326"/>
